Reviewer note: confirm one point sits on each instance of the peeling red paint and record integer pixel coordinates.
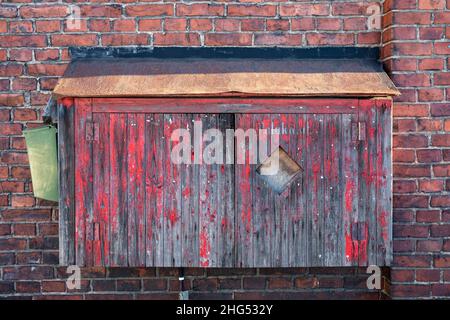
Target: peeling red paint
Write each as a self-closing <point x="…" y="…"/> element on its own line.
<point x="350" y="185"/>
<point x="186" y="192"/>
<point x="205" y="248"/>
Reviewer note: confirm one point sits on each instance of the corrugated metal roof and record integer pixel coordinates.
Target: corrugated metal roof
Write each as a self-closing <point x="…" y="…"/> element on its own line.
<point x="150" y="77"/>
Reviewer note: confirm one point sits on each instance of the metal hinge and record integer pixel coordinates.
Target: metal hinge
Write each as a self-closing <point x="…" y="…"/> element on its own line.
<point x="358" y="131"/>
<point x="91" y="131"/>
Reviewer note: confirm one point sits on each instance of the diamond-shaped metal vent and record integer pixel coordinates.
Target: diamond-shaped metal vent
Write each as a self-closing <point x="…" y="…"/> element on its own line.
<point x="279" y="170"/>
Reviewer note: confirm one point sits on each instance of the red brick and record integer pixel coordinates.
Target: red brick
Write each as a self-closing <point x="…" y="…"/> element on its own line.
<point x="431" y="64"/>
<point x="12" y="244"/>
<point x="440" y="109"/>
<point x="431" y="94"/>
<point x="150" y="25"/>
<point x="440" y="140"/>
<point x="124" y="25"/>
<point x="226" y="25"/>
<point x="8" y="11"/>
<point x="442" y="78"/>
<point x="228" y="39"/>
<point x="22" y="201"/>
<point x="402" y="275"/>
<point x="278" y="25"/>
<point x="414" y="231"/>
<point x="280" y="283"/>
<point x="329" y="24"/>
<point x="186" y="39"/>
<point x="203" y="9"/>
<point x="406" y="64"/>
<point x="28" y="286"/>
<point x="431" y="33"/>
<point x="414" y="18"/>
<point x="27" y="84"/>
<point x="110" y="11"/>
<point x="431" y="4"/>
<point x="201" y="25"/>
<point x="410" y="110"/>
<point x="175" y="24"/>
<point x="442" y="261"/>
<point x="412" y="261"/>
<point x="354" y="24"/>
<point x="410" y="141"/>
<point x="315" y="39"/>
<point x="252" y="283"/>
<point x="440" y="201"/>
<point x="252" y="10"/>
<point x="48" y="83"/>
<point x="74" y="40"/>
<point x="429" y="125"/>
<point x="442" y="17"/>
<point x="11" y="69"/>
<point x="100" y="25"/>
<point x="413" y="290"/>
<point x="53" y="286"/>
<point x="404" y="125"/>
<point x="442" y="170"/>
<point x="346" y="8"/>
<point x="410" y="201"/>
<point x="403" y="155"/>
<point x="122" y="39"/>
<point x="53" y="11"/>
<point x="276" y="39"/>
<point x="429" y="155"/>
<point x="440" y="290"/>
<point x="129" y="285"/>
<point x="412" y="80"/>
<point x="143" y="10"/>
<point x="45" y="69"/>
<point x="431" y="185"/>
<point x="48" y="25"/>
<point x="25" y="215"/>
<point x="302" y="24"/>
<point x="404" y="186"/>
<point x="20" y="26"/>
<point x="207" y="284"/>
<point x="428" y="275"/>
<point x="155" y="284"/>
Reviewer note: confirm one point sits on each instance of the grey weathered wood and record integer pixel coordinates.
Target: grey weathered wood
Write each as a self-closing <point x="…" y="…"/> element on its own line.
<point x="225" y="199"/>
<point x="118" y="186"/>
<point x="154" y="181"/>
<point x="101" y="173"/>
<point x="66" y="157"/>
<point x="384" y="185"/>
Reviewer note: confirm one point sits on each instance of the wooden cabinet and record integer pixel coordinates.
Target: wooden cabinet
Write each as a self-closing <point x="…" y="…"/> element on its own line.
<point x="125" y="203"/>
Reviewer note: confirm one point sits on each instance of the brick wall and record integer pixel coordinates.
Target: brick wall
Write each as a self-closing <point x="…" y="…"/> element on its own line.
<point x="34" y="41"/>
<point x="416" y="51"/>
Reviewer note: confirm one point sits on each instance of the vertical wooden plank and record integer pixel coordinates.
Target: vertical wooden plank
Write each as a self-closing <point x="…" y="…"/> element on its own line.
<point x="349" y="186"/>
<point x="83" y="185"/>
<point x="263" y="203"/>
<point x="283" y="122"/>
<point x="332" y="192"/>
<point x="136" y="190"/>
<point x="190" y="200"/>
<point x="154" y="189"/>
<point x="243" y="198"/>
<point x="66" y="157"/>
<point x="101" y="168"/>
<point x="118" y="188"/>
<point x="315" y="179"/>
<point x="384" y="184"/>
<point x="225" y="197"/>
<point x="367" y="217"/>
<point x="299" y="235"/>
<point x="172" y="196"/>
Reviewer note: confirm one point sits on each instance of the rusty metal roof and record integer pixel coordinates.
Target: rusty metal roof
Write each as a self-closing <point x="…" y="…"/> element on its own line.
<point x="150" y="77"/>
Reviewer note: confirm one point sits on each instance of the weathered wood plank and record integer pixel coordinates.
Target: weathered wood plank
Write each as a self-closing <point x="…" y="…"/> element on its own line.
<point x="136" y="190"/>
<point x="101" y="168"/>
<point x="332" y="191"/>
<point x="172" y="196"/>
<point x="384" y="184"/>
<point x="118" y="188"/>
<point x="66" y="156"/>
<point x="154" y="189"/>
<point x="243" y="198"/>
<point x="315" y="192"/>
<point x="83" y="186"/>
<point x="225" y="197"/>
<point x="189" y="175"/>
<point x="349" y="186"/>
<point x="367" y="216"/>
